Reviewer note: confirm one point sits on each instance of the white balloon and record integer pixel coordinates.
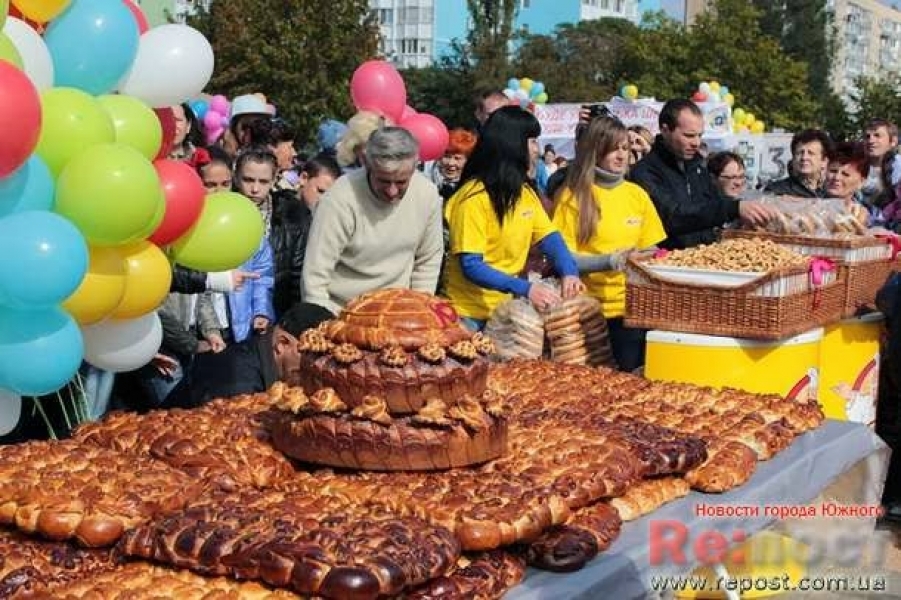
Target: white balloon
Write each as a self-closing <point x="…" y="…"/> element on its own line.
<point x="10" y="410"/>
<point x="124" y="345"/>
<point x="36" y="60"/>
<point x="174" y="63"/>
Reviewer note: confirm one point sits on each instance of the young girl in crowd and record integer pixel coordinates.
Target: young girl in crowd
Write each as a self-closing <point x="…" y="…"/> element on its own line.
<point x="603" y="218"/>
<point x="495" y="217"/>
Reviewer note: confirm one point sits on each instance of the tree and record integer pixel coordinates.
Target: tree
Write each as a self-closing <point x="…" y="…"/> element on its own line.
<point x="874" y="98"/>
<point x="489" y="38"/>
<point x="444" y="89"/>
<point x="298" y="53"/>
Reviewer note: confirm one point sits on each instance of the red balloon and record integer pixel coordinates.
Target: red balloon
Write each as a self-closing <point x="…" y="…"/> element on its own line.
<point x="184" y="194"/>
<point x="20" y="118"/>
<point x="409" y="111"/>
<point x="167" y="121"/>
<point x="140" y="19"/>
<point x="699" y="96"/>
<point x="376" y="86"/>
<point x="431" y="134"/>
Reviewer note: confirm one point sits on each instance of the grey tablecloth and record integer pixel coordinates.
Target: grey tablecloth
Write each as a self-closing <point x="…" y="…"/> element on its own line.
<point x="795" y="477"/>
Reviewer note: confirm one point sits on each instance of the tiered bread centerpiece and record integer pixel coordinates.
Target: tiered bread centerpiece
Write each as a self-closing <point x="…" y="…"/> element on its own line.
<point x="394" y="383"/>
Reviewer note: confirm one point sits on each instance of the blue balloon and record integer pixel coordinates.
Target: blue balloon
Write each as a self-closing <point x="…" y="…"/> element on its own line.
<point x="43" y="258"/>
<point x="40" y="350"/>
<point x="513" y="83"/>
<point x="29" y="188"/>
<point x="537" y="88"/>
<point x="199" y="108"/>
<point x="92" y="44"/>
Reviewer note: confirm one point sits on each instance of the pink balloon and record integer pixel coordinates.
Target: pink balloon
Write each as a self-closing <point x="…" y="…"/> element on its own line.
<point x="376" y="86"/>
<point x="409" y="111"/>
<point x="219" y="104"/>
<point x="431" y="134"/>
<point x="138" y="14"/>
<point x="212" y="119"/>
<point x="20" y="118"/>
<point x="213" y="135"/>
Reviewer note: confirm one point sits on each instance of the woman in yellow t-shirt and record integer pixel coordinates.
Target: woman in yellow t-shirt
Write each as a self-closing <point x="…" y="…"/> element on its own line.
<point x="495" y="217"/>
<point x="603" y="218"/>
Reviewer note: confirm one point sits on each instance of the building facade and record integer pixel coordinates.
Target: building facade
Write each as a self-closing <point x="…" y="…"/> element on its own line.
<point x="868" y="42"/>
<point x="159" y="12"/>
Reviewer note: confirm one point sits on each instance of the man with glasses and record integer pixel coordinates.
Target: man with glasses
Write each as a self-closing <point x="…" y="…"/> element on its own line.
<point x="811" y="149"/>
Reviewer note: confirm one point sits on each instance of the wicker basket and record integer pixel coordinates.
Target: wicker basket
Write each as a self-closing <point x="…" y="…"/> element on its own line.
<point x="848" y="250"/>
<point x="652" y="302"/>
<point x="862" y="281"/>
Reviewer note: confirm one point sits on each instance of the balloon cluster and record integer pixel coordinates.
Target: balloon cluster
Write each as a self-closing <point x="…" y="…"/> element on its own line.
<point x="712" y="91"/>
<point x="744" y="121"/>
<point x="214" y="114"/>
<point x="376" y="86"/>
<point x="86" y="198"/>
<point x="526" y="92"/>
<point x="629" y="91"/>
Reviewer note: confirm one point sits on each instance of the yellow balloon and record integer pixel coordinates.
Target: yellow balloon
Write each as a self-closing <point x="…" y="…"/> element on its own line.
<point x="526" y="84"/>
<point x="729" y="99"/>
<point x="750" y="118"/>
<point x="631" y="91"/>
<point x="715" y="87"/>
<point x="148" y="276"/>
<point x="9" y="52"/>
<point x="102" y="288"/>
<point x="41" y="11"/>
<point x="758" y="127"/>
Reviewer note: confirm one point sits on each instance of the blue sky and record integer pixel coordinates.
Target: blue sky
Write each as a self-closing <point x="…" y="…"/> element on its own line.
<point x="675" y="8"/>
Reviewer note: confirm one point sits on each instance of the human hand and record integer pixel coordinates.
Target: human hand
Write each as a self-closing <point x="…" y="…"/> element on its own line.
<point x="241" y="277"/>
<point x="165" y="365"/>
<point x="756" y="213"/>
<point x="217" y="344"/>
<point x="543" y="297"/>
<point x="260" y="324"/>
<point x="571" y="286"/>
<point x="203" y="347"/>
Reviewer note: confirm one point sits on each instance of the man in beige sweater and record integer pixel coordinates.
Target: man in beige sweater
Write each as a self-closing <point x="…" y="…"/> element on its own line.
<point x="376" y="228"/>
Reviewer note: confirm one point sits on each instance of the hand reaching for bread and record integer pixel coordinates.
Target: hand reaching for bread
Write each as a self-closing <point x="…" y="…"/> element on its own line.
<point x="543" y="297"/>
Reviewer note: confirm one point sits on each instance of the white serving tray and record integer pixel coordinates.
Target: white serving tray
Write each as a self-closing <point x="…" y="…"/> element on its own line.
<point x="723" y="279"/>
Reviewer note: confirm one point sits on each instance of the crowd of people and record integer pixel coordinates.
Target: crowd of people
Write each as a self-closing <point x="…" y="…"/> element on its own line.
<point x="364" y="213"/>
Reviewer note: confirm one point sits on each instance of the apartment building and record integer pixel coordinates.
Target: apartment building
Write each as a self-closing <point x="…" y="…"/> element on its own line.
<point x="868" y="42"/>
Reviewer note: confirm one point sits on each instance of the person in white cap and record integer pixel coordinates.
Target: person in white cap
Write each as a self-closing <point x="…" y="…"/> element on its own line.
<point x="250" y="124"/>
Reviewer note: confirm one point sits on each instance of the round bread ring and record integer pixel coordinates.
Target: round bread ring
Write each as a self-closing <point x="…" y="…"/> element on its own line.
<point x="781" y="222"/>
<point x="567" y="344"/>
<point x="529" y="343"/>
<point x="577" y="354"/>
<point x="561" y="319"/>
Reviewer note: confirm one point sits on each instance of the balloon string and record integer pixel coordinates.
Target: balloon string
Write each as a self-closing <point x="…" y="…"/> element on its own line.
<point x="81" y="399"/>
<point x="39" y="405"/>
<point x="62" y="405"/>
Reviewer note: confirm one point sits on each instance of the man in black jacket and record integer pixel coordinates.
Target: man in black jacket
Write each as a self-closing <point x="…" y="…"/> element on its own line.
<point x="674" y="176"/>
<point x="811" y="150"/>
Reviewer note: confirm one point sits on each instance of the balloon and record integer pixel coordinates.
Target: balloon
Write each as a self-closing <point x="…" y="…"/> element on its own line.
<point x="73" y="121"/>
<point x="9" y="52"/>
<point x="20" y="118"/>
<point x="148" y="276"/>
<point x="630" y="91"/>
<point x="174" y="63"/>
<point x="45" y="259"/>
<point x="102" y="287"/>
<point x="93" y="45"/>
<point x="167" y="126"/>
<point x="749" y="118"/>
<point x="4" y="9"/>
<point x="41" y="11"/>
<point x="537" y="88"/>
<point x="138" y="15"/>
<point x="714" y="87"/>
<point x="738" y="115"/>
<point x="110" y="192"/>
<point x="377" y="86"/>
<point x="29" y="188"/>
<point x="10" y="403"/>
<point x="526" y="84"/>
<point x="184" y="193"/>
<point x="40" y="350"/>
<point x="36" y="61"/>
<point x="699" y="97"/>
<point x="510" y="93"/>
<point x="758" y="127"/>
<point x="120" y="346"/>
<point x="199" y="108"/>
<point x="225" y="216"/>
<point x="729" y="99"/>
<point x="513" y="83"/>
<point x="431" y="134"/>
<point x="409" y="111"/>
<point x="135" y="123"/>
<point x="219" y="103"/>
<point x="704" y="87"/>
<point x="541" y="98"/>
<point x="213" y="119"/>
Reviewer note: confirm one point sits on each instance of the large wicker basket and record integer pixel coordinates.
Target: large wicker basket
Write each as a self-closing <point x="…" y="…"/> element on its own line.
<point x="653" y="302"/>
<point x="864" y="262"/>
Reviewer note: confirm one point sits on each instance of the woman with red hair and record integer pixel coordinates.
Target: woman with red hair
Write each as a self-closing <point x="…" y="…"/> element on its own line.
<point x="447" y="170"/>
<point x="846" y="175"/>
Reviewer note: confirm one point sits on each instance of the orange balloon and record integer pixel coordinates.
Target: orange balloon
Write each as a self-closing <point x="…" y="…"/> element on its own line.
<point x="41" y="11"/>
<point x="148" y="276"/>
<point x="102" y="288"/>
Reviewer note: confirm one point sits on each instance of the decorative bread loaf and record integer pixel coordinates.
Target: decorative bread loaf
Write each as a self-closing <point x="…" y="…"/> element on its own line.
<point x="485" y="576"/>
<point x="568" y="547"/>
<point x="648" y="495"/>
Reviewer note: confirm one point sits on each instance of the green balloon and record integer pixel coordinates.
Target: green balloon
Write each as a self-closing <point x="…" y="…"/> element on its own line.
<point x="72" y="122"/>
<point x="135" y="123"/>
<point x="8" y="51"/>
<point x="225" y="235"/>
<point x="4" y="10"/>
<point x="111" y="192"/>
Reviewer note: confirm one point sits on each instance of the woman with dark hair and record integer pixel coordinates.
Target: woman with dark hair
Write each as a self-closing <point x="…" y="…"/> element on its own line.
<point x="188" y="136"/>
<point x="603" y="219"/>
<point x="495" y="217"/>
<point x="728" y="172"/>
<point x="316" y="176"/>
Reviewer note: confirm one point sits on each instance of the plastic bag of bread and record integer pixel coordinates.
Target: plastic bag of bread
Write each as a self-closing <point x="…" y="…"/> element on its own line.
<point x="517" y="330"/>
<point x="577" y="333"/>
<point x="815" y="217"/>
